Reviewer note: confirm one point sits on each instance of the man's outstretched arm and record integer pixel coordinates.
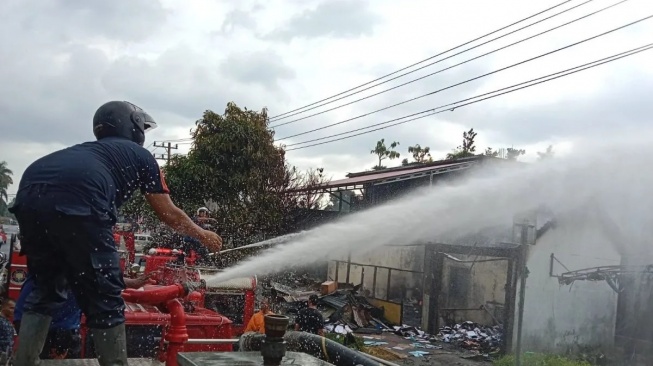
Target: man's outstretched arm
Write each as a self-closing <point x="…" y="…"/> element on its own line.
<point x="177" y="219"/>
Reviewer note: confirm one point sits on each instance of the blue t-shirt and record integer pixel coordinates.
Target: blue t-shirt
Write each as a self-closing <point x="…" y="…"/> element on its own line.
<point x="6" y="335"/>
<point x="90" y="179"/>
<point x="68" y="317"/>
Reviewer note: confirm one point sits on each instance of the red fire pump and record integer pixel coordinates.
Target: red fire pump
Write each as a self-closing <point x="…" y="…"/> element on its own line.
<point x="234" y="298"/>
<point x="178" y="313"/>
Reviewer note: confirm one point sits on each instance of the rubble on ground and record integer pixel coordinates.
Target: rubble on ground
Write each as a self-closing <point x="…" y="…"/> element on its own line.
<point x="346" y="313"/>
<point x="472" y="336"/>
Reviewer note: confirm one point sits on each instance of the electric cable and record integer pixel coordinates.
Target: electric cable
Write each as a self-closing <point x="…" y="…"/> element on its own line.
<point x="429" y="58"/>
<point x="456" y="105"/>
<point x="183" y="139"/>
<point x="469" y="80"/>
<point x="449" y="67"/>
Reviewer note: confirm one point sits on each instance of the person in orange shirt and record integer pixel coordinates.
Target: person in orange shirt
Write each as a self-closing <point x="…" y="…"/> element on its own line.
<point x="256" y="323"/>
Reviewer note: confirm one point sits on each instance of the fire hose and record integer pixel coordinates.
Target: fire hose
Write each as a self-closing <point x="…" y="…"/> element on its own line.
<point x="313" y="345"/>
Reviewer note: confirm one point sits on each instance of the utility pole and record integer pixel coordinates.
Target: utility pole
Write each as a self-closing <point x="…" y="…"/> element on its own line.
<point x="168" y="148"/>
<point x="525" y="231"/>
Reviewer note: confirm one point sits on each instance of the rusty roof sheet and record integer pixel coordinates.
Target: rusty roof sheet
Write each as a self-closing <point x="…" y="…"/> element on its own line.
<point x="397" y="174"/>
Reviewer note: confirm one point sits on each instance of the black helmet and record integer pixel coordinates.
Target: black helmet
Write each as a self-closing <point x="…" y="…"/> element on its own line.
<point x="122" y="119"/>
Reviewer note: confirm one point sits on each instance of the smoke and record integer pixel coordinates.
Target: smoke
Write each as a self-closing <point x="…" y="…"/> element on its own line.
<point x="610" y="177"/>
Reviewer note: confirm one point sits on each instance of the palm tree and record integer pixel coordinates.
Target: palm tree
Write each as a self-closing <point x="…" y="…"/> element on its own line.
<point x="5" y="182"/>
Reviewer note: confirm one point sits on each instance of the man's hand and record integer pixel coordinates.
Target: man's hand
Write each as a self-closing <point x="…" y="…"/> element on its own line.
<point x="212" y="241"/>
<point x="177" y="219"/>
<point x="139" y="281"/>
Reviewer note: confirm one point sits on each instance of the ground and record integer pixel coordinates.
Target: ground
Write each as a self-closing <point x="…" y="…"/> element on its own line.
<point x="444" y="354"/>
<point x="441" y="358"/>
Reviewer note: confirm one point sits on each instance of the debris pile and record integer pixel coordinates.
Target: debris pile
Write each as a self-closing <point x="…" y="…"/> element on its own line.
<point x="412" y="333"/>
<point x="344" y="310"/>
<point x="348" y="312"/>
<point x="472" y="336"/>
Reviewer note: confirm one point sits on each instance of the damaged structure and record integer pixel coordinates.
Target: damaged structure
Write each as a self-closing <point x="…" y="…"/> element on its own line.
<point x="469" y="289"/>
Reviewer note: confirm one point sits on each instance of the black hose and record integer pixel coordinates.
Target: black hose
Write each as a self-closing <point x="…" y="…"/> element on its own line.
<point x="314" y="345"/>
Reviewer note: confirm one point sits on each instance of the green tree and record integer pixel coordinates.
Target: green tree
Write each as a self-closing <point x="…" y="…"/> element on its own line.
<point x="5" y="181"/>
<point x="513" y="154"/>
<point x="420" y="154"/>
<point x="233" y="162"/>
<point x="383" y="152"/>
<point x="548" y="154"/>
<point x="467" y="149"/>
<point x="304" y="181"/>
<point x="137" y="208"/>
<point x="490" y="152"/>
<point x="234" y="168"/>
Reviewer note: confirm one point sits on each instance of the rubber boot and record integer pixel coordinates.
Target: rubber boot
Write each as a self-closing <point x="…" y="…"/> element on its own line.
<point x="33" y="332"/>
<point x="111" y="345"/>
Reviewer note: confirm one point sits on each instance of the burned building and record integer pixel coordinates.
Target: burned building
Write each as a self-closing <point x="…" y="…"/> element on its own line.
<point x="478" y="276"/>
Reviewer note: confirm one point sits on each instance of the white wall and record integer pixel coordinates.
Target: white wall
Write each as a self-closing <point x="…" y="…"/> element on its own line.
<point x="397" y="257"/>
<point x="561" y="317"/>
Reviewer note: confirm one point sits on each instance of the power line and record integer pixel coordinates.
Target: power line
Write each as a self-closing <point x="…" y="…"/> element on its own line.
<point x="183" y="139"/>
<point x="422" y="61"/>
<point x="469" y="80"/>
<point x="456" y="105"/>
<point x="447" y="68"/>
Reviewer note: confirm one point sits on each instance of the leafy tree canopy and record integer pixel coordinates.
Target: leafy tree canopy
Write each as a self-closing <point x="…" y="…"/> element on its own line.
<point x="420" y="155"/>
<point x="5" y="181"/>
<point x="513" y="154"/>
<point x="468" y="147"/>
<point x="383" y="152"/>
<point x="548" y="154"/>
<point x="234" y="168"/>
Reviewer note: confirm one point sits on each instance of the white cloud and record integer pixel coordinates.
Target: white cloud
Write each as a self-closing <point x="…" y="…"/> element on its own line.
<point x="177" y="59"/>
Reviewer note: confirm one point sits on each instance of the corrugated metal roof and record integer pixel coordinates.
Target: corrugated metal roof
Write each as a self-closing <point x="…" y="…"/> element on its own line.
<point x="395" y="175"/>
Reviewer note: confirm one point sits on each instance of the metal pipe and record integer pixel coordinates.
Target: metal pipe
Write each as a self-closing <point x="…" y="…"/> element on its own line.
<point x="177" y="334"/>
<point x="522" y="297"/>
<point x="154" y="295"/>
<point x="273" y="348"/>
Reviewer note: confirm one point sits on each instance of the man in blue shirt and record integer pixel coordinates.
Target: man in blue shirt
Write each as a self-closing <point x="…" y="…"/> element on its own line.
<point x="207" y="223"/>
<point x="64" y="340"/>
<point x="66" y="206"/>
<point x="7" y="331"/>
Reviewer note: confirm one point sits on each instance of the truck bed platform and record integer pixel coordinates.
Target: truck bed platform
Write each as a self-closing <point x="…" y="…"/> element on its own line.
<point x="93" y="362"/>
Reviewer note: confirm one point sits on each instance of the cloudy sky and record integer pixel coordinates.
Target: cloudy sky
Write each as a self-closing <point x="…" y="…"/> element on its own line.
<point x="61" y="59"/>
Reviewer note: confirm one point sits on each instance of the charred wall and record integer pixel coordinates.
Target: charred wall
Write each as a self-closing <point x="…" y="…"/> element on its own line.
<point x="473" y="290"/>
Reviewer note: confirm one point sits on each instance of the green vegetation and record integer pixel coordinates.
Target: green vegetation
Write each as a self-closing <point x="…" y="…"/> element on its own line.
<point x="235" y="169"/>
<point x="5" y="181"/>
<point x="383" y="152"/>
<point x="348" y="340"/>
<point x="539" y="359"/>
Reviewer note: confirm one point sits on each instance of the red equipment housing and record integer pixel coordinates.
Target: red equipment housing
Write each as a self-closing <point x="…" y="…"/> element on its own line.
<point x="161" y="318"/>
<point x="17" y="274"/>
<point x="235" y="298"/>
<point x="126" y="232"/>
